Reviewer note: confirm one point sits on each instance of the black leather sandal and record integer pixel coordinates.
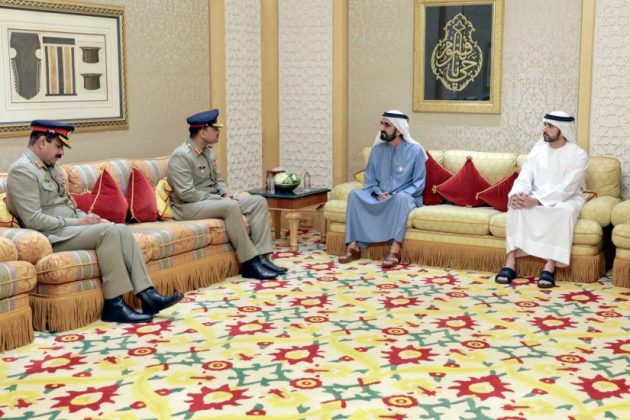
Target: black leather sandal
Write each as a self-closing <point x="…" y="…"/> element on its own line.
<point x="546" y="280"/>
<point x="505" y="276"/>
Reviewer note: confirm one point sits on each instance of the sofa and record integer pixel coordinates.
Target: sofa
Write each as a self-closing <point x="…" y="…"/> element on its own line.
<point x="473" y="238"/>
<point x="180" y="255"/>
<point x="17" y="278"/>
<point x="620" y="218"/>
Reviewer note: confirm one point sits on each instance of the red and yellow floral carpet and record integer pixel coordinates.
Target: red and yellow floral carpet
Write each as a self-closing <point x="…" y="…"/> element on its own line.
<point x="331" y="342"/>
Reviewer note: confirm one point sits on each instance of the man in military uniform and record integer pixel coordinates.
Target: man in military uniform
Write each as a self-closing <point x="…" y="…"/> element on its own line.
<point x="38" y="198"/>
<point x="200" y="193"/>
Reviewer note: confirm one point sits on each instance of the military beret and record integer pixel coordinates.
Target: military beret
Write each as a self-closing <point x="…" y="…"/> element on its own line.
<point x="205" y="119"/>
<point x="62" y="130"/>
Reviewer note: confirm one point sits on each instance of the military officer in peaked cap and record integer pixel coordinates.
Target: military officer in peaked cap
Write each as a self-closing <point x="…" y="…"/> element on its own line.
<point x="37" y="196"/>
<point x="199" y="192"/>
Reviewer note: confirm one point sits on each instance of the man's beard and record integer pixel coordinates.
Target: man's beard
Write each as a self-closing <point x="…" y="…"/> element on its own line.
<point x="387" y="138"/>
<point x="549" y="139"/>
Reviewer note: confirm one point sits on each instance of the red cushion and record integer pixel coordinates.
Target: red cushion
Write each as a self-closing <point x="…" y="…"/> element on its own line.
<point x="497" y="195"/>
<point x="436" y="175"/>
<point x="463" y="187"/>
<point x="105" y="200"/>
<point x="83" y="201"/>
<point x="141" y="198"/>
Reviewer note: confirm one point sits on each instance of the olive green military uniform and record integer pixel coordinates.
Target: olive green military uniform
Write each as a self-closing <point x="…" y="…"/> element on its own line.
<point x="197" y="190"/>
<point x="37" y="197"/>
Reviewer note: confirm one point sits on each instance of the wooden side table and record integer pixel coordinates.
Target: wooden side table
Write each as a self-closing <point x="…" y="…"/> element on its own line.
<point x="298" y="202"/>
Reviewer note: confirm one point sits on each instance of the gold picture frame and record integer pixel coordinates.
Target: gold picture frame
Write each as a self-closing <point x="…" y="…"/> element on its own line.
<point x="457" y="56"/>
<point x="62" y="60"/>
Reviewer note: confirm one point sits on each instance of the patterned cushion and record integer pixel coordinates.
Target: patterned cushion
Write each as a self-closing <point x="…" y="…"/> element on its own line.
<point x="68" y="266"/>
<point x="8" y="251"/>
<point x="6" y="218"/>
<point x="493" y="166"/>
<point x="599" y="209"/>
<point x="83" y="176"/>
<point x="16" y="277"/>
<point x="604" y="176"/>
<point x="175" y="237"/>
<point x="163" y="200"/>
<point x="31" y="245"/>
<point x="154" y="169"/>
<point x="198" y="254"/>
<point x="621" y="236"/>
<point x="621" y="213"/>
<point x="14" y="303"/>
<point x="448" y="218"/>
<point x="67" y="288"/>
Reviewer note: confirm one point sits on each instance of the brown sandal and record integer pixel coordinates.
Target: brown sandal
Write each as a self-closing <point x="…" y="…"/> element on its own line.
<point x="350" y="255"/>
<point x="392" y="260"/>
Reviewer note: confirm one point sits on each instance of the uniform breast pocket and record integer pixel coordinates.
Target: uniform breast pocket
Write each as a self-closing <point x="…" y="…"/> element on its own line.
<point x="201" y="172"/>
<point x="48" y="191"/>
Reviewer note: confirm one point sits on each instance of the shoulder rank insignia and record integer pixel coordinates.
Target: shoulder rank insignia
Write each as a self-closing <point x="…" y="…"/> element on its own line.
<point x="39" y="165"/>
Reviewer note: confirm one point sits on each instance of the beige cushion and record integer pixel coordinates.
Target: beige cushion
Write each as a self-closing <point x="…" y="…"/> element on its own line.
<point x="604" y="176"/>
<point x="335" y="211"/>
<point x="621" y="236"/>
<point x="448" y="218"/>
<point x="341" y="191"/>
<point x="599" y="209"/>
<point x="621" y="213"/>
<point x="493" y="166"/>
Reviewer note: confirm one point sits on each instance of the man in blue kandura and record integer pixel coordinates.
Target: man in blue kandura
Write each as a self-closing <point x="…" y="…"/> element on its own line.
<point x="394" y="182"/>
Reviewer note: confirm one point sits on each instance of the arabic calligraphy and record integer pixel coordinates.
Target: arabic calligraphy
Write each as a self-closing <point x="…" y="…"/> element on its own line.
<point x="456" y="59"/>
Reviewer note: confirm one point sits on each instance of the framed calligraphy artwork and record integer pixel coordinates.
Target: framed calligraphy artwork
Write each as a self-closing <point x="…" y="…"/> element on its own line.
<point x="64" y="61"/>
<point x="457" y="56"/>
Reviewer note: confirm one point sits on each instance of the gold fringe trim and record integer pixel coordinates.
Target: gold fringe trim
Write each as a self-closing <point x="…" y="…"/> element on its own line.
<point x="621" y="272"/>
<point x="192" y="275"/>
<point x="62" y="313"/>
<point x="16" y="329"/>
<point x="583" y="268"/>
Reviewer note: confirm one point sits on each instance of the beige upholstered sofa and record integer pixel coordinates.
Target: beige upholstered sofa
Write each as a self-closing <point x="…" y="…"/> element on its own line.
<point x="445" y="235"/>
<point x="621" y="238"/>
<point x="17" y="278"/>
<point x="180" y="256"/>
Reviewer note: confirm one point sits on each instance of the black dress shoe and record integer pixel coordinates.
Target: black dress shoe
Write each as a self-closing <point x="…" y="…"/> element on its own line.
<point x="116" y="310"/>
<point x="270" y="265"/>
<point x="254" y="269"/>
<point x="153" y="302"/>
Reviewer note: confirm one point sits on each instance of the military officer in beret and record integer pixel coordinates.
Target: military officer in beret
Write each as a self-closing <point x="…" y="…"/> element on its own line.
<point x="200" y="193"/>
<point x="37" y="196"/>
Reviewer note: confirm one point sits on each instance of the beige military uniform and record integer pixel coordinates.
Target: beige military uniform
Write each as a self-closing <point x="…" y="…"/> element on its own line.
<point x="37" y="197"/>
<point x="197" y="190"/>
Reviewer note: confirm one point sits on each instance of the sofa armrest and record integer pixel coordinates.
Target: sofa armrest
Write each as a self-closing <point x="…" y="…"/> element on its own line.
<point x="8" y="251"/>
<point x="621" y="213"/>
<point x="599" y="209"/>
<point x="341" y="191"/>
<point x="31" y="245"/>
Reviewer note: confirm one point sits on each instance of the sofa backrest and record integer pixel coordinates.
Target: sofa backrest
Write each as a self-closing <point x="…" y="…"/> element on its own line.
<point x="82" y="176"/>
<point x="603" y="175"/>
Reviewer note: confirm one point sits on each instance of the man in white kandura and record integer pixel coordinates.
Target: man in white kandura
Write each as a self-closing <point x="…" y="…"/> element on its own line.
<point x="394" y="182"/>
<point x="546" y="200"/>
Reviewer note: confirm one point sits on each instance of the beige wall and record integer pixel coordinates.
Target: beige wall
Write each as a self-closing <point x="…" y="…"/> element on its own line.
<point x="541" y="49"/>
<point x="610" y="104"/>
<point x="167" y="80"/>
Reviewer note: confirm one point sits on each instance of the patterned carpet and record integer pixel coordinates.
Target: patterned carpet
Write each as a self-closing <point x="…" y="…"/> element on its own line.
<point x="335" y="342"/>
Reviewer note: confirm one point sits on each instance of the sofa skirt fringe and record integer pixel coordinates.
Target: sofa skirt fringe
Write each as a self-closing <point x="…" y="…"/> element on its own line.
<point x="62" y="313"/>
<point x="621" y="272"/>
<point x="583" y="268"/>
<point x="16" y="329"/>
<point x="192" y="275"/>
